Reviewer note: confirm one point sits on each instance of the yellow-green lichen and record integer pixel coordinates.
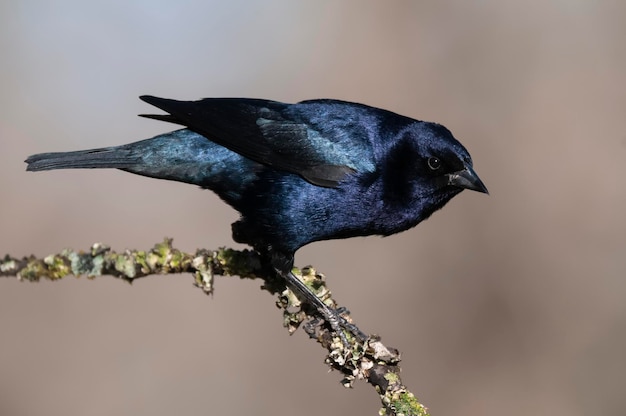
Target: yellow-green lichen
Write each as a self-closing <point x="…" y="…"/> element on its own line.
<point x="32" y="271"/>
<point x="392" y="378"/>
<point x="406" y="404"/>
<point x="125" y="265"/>
<point x="57" y="267"/>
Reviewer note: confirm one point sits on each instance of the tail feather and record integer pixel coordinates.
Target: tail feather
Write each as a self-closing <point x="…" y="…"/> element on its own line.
<point x="107" y="157"/>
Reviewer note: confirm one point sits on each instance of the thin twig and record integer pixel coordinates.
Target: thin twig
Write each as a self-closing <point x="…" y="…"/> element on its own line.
<point x="371" y="361"/>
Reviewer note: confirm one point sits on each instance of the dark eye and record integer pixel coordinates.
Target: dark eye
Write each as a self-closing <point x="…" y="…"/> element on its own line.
<point x="434" y="163"/>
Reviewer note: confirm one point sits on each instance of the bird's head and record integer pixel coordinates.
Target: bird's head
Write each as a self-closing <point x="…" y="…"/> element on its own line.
<point x="445" y="160"/>
<point x="426" y="167"/>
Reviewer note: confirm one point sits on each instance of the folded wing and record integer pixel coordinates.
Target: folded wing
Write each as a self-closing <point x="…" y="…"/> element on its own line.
<point x="324" y="141"/>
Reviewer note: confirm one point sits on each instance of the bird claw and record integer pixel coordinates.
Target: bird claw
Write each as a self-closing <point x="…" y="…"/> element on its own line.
<point x="338" y="323"/>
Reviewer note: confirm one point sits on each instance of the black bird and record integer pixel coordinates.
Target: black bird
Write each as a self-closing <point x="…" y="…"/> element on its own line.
<point x="297" y="173"/>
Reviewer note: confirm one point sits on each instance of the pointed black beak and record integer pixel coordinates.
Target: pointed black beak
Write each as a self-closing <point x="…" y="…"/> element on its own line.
<point x="467" y="179"/>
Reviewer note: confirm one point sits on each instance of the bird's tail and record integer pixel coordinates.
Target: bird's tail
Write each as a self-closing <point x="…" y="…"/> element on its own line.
<point x="181" y="155"/>
<point x="106" y="157"/>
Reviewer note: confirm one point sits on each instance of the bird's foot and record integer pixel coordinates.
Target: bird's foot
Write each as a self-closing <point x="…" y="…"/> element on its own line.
<point x="339" y="324"/>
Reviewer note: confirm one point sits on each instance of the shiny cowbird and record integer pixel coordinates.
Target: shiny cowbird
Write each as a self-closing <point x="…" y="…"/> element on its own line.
<point x="297" y="173"/>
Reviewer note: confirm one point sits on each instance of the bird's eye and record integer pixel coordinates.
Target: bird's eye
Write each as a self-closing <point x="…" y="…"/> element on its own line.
<point x="434" y="163"/>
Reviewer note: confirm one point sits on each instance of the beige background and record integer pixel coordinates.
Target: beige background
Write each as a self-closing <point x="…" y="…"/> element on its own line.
<point x="511" y="304"/>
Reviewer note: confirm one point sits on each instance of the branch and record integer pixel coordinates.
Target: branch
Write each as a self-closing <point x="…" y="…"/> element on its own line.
<point x="371" y="361"/>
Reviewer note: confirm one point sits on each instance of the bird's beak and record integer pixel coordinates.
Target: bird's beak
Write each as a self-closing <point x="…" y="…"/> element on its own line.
<point x="467" y="179"/>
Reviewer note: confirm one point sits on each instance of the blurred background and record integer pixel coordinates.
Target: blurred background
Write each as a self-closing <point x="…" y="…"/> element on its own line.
<point x="512" y="303"/>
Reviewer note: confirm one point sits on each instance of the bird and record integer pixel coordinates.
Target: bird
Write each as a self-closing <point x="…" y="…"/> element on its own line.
<point x="298" y="173"/>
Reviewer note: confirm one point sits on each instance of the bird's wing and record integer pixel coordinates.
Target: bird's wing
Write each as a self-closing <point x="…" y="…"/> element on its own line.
<point x="321" y="140"/>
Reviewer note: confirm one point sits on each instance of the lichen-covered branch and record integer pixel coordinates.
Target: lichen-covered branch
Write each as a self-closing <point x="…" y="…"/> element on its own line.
<point x="371" y="361"/>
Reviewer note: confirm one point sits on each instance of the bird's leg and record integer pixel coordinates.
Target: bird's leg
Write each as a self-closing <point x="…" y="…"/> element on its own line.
<point x="333" y="316"/>
<point x="283" y="263"/>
